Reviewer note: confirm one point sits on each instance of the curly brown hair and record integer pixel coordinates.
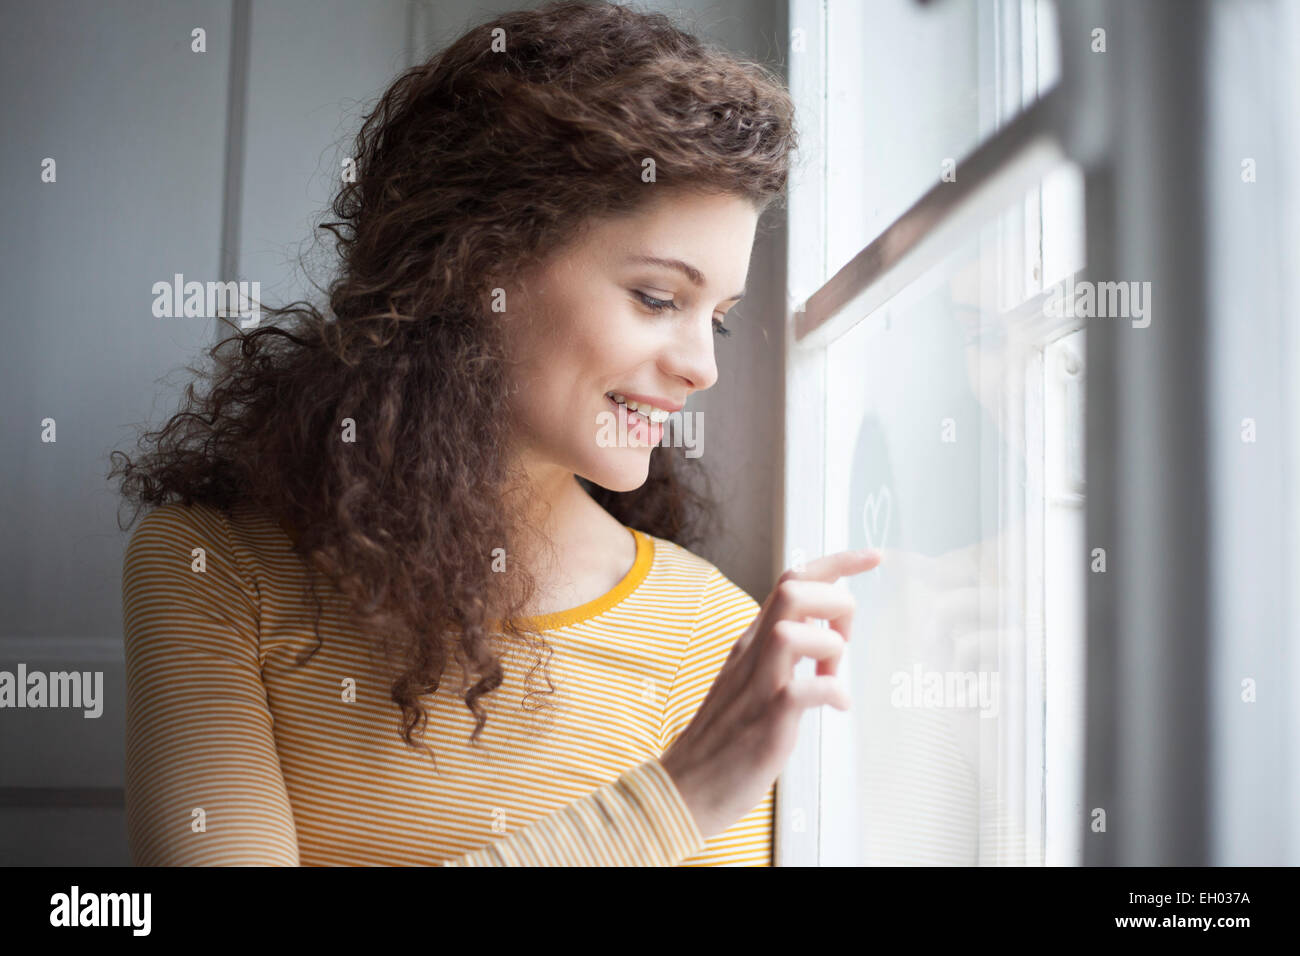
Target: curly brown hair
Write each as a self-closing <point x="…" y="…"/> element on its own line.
<point x="472" y="167"/>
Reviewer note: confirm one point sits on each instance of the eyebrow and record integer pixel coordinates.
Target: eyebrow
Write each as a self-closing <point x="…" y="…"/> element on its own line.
<point x="692" y="273"/>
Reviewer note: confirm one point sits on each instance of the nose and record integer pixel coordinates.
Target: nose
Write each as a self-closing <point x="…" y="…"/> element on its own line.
<point x="691" y="355"/>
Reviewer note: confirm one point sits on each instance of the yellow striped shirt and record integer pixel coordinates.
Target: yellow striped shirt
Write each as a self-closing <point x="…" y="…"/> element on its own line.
<point x="236" y="754"/>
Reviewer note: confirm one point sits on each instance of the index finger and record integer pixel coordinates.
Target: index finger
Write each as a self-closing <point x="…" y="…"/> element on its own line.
<point x="832" y="567"/>
<point x="829" y="569"/>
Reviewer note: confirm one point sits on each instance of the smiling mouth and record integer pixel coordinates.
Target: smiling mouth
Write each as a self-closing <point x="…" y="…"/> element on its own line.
<point x="637" y="411"/>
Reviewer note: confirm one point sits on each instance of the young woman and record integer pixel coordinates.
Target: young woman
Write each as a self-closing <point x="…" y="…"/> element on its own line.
<point x="399" y="599"/>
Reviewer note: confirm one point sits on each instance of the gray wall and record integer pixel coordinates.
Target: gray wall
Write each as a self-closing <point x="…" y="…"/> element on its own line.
<point x="139" y="126"/>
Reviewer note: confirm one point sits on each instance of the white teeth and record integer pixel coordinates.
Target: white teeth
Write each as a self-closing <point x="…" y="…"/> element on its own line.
<point x="658" y="415"/>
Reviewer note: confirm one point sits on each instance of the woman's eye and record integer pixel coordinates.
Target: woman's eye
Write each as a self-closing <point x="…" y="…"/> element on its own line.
<point x="660" y="305"/>
<point x="653" y="304"/>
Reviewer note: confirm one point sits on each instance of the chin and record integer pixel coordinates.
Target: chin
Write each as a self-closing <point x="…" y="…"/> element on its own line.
<point x="627" y="474"/>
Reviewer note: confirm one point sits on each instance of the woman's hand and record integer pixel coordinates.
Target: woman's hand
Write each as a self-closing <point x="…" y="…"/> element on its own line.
<point x="734" y="748"/>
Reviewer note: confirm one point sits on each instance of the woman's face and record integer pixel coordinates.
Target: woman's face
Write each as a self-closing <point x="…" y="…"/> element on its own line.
<point x="591" y="322"/>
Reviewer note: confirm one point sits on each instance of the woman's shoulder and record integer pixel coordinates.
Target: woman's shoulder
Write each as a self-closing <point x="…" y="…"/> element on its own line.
<point x="178" y="527"/>
<point x="236" y="541"/>
<point x="240" y="523"/>
<point x="181" y="573"/>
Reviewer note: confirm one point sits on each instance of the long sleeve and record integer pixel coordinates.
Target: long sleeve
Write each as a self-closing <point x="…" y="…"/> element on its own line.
<point x="724" y="613"/>
<point x="203" y="777"/>
<point x="638" y="820"/>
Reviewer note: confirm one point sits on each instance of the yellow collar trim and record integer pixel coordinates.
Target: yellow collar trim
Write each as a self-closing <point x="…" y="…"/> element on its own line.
<point x="645" y="550"/>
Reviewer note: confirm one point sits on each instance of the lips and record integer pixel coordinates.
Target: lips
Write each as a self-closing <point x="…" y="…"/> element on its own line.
<point x="637" y="425"/>
<point x="655" y="409"/>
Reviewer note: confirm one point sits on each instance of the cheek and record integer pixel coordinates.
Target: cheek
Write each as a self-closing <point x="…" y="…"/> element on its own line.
<point x="586" y="349"/>
<point x="618" y="348"/>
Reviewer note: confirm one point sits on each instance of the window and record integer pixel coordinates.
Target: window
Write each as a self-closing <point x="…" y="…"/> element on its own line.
<point x="1040" y="351"/>
<point x="938" y="398"/>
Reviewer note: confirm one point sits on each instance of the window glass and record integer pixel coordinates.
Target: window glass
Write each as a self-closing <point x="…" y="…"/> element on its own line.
<point x="911" y="90"/>
<point x="954" y="440"/>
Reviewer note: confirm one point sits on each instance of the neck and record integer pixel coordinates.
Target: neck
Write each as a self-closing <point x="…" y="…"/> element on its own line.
<point x="557" y="518"/>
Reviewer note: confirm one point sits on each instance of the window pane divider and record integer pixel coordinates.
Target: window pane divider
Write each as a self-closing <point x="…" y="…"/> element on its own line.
<point x="990" y="178"/>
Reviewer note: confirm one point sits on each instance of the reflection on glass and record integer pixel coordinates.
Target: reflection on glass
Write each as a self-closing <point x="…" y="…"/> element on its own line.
<point x="954" y="443"/>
